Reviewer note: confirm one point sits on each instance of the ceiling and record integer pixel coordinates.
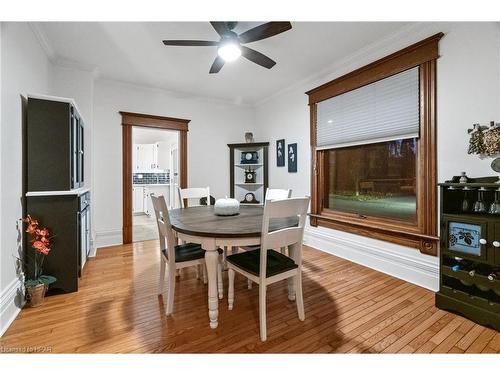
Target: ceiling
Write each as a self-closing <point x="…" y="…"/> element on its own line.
<point x="133" y="52"/>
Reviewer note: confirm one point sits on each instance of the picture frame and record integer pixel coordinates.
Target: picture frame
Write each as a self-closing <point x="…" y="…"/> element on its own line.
<point x="280" y="153"/>
<point x="292" y="157"/>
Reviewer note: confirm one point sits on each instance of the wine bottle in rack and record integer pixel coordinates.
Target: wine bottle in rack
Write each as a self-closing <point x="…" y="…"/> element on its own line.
<point x="460" y="264"/>
<point x="494" y="275"/>
<point x="475" y="269"/>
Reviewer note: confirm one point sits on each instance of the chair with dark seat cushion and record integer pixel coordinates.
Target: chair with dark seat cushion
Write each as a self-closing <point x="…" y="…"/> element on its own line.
<point x="196" y="197"/>
<point x="277" y="266"/>
<point x="250" y="261"/>
<point x="271" y="194"/>
<point x="193" y="196"/>
<point x="174" y="256"/>
<point x="188" y="251"/>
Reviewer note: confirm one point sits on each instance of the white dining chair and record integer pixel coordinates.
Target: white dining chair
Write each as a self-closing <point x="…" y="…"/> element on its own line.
<point x="274" y="194"/>
<point x="271" y="194"/>
<point x="192" y="194"/>
<point x="174" y="256"/>
<point x="266" y="266"/>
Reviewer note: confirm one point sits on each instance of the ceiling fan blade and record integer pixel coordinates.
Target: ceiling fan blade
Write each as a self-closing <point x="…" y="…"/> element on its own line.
<point x="220" y="27"/>
<point x="264" y="31"/>
<point x="257" y="57"/>
<point x="195" y="43"/>
<point x="217" y="65"/>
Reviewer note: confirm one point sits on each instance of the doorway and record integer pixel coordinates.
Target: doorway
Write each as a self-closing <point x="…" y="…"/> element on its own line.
<point x="154" y="162"/>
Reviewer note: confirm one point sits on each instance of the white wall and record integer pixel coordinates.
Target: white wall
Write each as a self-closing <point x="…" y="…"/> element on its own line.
<point x="468" y="84"/>
<point x="468" y="92"/>
<point x="77" y="84"/>
<point x="213" y="125"/>
<point x="25" y="69"/>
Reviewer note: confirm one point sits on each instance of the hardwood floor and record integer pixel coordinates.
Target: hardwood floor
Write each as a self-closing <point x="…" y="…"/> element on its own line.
<point x="349" y="309"/>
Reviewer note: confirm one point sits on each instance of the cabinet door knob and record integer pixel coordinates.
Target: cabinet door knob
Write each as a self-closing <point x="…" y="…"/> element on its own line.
<point x="496" y="243"/>
<point x="482" y="241"/>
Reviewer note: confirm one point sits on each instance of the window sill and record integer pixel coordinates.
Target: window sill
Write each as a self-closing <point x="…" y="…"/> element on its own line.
<point x="400" y="234"/>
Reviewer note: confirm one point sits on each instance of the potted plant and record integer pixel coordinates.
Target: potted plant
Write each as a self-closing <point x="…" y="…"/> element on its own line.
<point x="40" y="242"/>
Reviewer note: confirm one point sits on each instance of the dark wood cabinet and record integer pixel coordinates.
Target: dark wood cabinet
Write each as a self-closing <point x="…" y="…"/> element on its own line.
<point x="496" y="243"/>
<point x="54" y="186"/>
<point x="54" y="145"/>
<point x="470" y="252"/>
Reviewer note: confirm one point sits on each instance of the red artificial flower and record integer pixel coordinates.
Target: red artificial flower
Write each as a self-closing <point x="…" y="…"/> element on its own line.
<point x="38" y="245"/>
<point x="44" y="251"/>
<point x="31" y="229"/>
<point x="44" y="232"/>
<point x="28" y="219"/>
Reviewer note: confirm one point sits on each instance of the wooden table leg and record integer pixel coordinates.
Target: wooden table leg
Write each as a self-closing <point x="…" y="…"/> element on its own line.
<point x="212" y="260"/>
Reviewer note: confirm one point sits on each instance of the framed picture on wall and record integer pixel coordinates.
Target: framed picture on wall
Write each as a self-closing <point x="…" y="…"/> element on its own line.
<point x="280" y="153"/>
<point x="292" y="158"/>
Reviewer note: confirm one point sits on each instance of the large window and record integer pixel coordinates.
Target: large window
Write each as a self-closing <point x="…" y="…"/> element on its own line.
<point x="376" y="179"/>
<point x="374" y="149"/>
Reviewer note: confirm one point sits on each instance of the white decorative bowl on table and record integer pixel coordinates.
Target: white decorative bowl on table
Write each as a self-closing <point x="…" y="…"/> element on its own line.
<point x="227" y="207"/>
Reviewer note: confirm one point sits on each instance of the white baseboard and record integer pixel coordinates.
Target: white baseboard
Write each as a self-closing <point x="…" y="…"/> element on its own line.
<point x="395" y="260"/>
<point x="107" y="238"/>
<point x="11" y="303"/>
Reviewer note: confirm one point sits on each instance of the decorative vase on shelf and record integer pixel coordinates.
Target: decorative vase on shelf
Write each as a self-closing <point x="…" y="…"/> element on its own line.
<point x="249" y="137"/>
<point x="463" y="178"/>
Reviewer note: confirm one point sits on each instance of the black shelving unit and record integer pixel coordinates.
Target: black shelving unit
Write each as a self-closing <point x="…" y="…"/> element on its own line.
<point x="54" y="186"/>
<point x="470" y="251"/>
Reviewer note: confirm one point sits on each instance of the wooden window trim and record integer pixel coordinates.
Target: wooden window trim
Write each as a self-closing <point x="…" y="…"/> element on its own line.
<point x="423" y="233"/>
<point x="130" y="119"/>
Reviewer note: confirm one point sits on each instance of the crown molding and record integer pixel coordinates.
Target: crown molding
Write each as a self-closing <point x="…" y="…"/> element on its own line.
<point x="64" y="63"/>
<point x="176" y="94"/>
<point x="43" y="40"/>
<point x="71" y="64"/>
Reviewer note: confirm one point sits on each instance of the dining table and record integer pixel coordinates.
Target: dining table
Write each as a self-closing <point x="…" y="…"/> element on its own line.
<point x="213" y="232"/>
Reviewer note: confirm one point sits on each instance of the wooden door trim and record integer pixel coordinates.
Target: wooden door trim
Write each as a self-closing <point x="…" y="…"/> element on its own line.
<point x="130" y="119"/>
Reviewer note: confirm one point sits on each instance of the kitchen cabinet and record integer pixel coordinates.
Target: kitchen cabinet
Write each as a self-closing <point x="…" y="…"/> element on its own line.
<point x="163" y="155"/>
<point x="137" y="199"/>
<point x="157" y="190"/>
<point x="151" y="157"/>
<point x="144" y="157"/>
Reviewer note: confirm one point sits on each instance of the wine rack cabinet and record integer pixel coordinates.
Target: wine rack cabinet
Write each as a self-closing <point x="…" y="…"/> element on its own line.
<point x="470" y="250"/>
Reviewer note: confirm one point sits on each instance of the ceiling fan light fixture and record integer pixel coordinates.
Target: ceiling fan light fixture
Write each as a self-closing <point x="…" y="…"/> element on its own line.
<point x="229" y="51"/>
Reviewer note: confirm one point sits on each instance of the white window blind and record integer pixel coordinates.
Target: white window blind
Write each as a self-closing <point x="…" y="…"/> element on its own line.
<point x="381" y="111"/>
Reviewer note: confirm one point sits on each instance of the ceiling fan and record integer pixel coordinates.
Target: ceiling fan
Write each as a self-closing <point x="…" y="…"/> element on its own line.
<point x="230" y="47"/>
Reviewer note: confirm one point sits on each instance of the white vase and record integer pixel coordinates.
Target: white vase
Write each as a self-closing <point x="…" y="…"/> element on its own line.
<point x="227" y="207"/>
